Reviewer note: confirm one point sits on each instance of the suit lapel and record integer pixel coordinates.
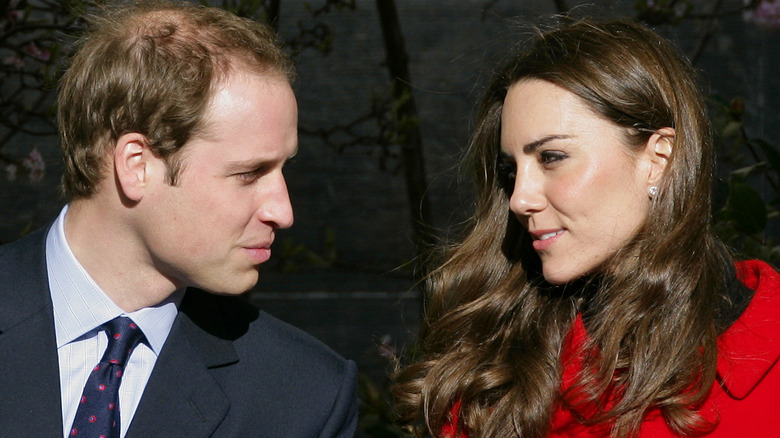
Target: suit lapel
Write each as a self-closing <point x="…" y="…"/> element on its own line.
<point x="29" y="375"/>
<point x="182" y="397"/>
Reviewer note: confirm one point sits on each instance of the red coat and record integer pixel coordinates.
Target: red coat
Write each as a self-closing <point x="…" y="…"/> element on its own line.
<point x="746" y="394"/>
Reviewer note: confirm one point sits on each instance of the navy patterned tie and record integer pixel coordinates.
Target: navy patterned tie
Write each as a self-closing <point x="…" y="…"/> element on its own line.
<point x="98" y="412"/>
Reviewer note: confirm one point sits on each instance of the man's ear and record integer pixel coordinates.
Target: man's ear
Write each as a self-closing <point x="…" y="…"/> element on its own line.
<point x="130" y="165"/>
<point x="658" y="150"/>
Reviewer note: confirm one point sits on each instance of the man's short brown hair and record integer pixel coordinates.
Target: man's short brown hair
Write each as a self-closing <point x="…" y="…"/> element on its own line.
<point x="151" y="68"/>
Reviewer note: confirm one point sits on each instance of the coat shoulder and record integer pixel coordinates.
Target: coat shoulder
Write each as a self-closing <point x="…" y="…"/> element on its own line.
<point x="24" y="284"/>
<point x="254" y="332"/>
<point x="305" y="387"/>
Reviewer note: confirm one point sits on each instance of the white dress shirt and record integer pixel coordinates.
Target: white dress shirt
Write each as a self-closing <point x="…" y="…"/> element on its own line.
<point x="80" y="308"/>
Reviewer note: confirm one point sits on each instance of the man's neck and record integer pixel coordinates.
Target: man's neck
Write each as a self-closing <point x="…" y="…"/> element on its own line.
<point x="103" y="242"/>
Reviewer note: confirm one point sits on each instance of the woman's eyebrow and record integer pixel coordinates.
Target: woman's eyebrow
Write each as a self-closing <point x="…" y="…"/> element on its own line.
<point x="531" y="147"/>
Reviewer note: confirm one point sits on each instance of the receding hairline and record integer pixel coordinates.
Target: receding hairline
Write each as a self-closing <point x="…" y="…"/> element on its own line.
<point x="189" y="22"/>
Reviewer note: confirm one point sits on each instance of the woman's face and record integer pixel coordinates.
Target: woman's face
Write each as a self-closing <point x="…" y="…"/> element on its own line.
<point x="577" y="188"/>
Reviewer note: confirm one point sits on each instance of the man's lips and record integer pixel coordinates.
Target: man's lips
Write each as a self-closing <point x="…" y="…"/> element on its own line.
<point x="259" y="254"/>
<point x="260" y="251"/>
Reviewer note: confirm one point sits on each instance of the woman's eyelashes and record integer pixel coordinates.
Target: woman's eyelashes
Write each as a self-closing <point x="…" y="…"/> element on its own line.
<point x="550" y="157"/>
<point x="507" y="168"/>
<point x="505" y="172"/>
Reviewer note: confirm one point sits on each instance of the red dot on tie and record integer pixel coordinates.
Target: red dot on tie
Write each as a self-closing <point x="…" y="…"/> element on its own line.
<point x="74" y="432"/>
<point x="83" y="399"/>
<point x="117" y="335"/>
<point x="110" y="406"/>
<point x="92" y="419"/>
<point x="114" y="361"/>
<point x="133" y="326"/>
<point x="97" y="367"/>
<point x="101" y="387"/>
<point x="102" y="436"/>
<point x="119" y="373"/>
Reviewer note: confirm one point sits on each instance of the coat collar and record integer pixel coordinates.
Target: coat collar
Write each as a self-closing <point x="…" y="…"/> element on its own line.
<point x="182" y="398"/>
<point x="750" y="347"/>
<point x="181" y="385"/>
<point x="747" y="350"/>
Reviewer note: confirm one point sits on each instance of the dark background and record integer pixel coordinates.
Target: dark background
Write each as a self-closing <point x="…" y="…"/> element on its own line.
<point x="344" y="271"/>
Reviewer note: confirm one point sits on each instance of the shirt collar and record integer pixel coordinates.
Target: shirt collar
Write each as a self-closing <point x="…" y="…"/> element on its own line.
<point x="80" y="306"/>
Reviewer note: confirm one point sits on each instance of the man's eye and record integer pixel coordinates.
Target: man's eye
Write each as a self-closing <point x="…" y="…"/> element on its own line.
<point x="249" y="177"/>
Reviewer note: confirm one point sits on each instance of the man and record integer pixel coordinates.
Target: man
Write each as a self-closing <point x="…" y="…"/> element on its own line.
<point x="175" y="123"/>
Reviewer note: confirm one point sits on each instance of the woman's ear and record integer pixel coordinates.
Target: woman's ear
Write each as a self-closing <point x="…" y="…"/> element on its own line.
<point x="130" y="165"/>
<point x="658" y="150"/>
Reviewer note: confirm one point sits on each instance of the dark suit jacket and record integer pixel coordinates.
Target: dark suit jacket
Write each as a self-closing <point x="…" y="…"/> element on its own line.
<point x="226" y="370"/>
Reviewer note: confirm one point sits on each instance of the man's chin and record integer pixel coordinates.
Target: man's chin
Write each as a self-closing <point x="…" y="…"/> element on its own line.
<point x="237" y="286"/>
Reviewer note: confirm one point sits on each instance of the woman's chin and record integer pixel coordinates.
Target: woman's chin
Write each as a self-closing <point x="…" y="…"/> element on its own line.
<point x="559" y="277"/>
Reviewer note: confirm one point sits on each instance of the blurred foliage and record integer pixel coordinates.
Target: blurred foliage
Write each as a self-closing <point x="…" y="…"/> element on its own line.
<point x="377" y="418"/>
<point x="292" y="256"/>
<point x="376" y="413"/>
<point x="747" y="216"/>
<point x="34" y="41"/>
<point x="663" y="11"/>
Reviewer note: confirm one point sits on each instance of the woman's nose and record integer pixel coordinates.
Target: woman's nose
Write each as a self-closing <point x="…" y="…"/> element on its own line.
<point x="527" y="195"/>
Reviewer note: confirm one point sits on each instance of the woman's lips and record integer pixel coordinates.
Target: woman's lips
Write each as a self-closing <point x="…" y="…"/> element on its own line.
<point x="544" y="238"/>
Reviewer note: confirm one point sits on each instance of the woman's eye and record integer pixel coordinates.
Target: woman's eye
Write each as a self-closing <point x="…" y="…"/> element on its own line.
<point x="506" y="170"/>
<point x="549" y="157"/>
<point x="505" y="175"/>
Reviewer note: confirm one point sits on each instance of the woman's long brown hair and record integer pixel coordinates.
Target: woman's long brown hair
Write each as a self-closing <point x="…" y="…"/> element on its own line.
<point x="494" y="331"/>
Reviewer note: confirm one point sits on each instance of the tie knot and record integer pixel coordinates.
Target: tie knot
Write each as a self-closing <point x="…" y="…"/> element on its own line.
<point x="123" y="336"/>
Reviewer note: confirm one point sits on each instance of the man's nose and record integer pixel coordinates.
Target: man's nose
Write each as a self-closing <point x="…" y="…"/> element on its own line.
<point x="275" y="207"/>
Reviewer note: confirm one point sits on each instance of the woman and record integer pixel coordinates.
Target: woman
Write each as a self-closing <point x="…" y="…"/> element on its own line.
<point x="590" y="297"/>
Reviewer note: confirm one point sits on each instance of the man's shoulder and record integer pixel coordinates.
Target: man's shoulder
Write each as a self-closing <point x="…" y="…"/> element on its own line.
<point x="30" y="245"/>
<point x="23" y="278"/>
<point x="258" y="335"/>
<point x="293" y="339"/>
<point x="264" y="365"/>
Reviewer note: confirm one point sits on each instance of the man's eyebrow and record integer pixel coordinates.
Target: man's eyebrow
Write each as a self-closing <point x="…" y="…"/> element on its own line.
<point x="252" y="164"/>
<point x="245" y="165"/>
<point x="531" y="147"/>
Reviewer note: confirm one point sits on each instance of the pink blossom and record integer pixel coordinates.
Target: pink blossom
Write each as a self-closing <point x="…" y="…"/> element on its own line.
<point x="40" y="53"/>
<point x="12" y="15"/>
<point x="35" y="165"/>
<point x="767" y="13"/>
